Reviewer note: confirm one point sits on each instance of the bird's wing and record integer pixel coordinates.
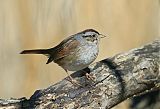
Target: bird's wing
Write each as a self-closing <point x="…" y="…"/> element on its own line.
<point x="65" y="48"/>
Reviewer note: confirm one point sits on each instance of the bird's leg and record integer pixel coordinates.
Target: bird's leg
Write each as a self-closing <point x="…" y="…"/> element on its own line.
<point x="72" y="80"/>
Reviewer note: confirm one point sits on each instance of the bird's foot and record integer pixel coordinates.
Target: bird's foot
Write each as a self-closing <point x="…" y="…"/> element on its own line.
<point x="73" y="81"/>
<point x="90" y="77"/>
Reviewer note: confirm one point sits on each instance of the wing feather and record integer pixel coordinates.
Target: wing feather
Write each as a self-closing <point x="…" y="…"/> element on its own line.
<point x="65" y="48"/>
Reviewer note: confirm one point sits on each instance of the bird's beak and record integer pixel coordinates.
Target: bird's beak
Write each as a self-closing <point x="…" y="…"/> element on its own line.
<point x="103" y="36"/>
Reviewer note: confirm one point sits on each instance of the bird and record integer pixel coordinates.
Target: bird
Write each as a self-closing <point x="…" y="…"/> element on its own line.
<point x="75" y="52"/>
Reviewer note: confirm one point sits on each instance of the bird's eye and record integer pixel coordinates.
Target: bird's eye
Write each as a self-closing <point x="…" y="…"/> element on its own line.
<point x="93" y="35"/>
<point x="89" y="36"/>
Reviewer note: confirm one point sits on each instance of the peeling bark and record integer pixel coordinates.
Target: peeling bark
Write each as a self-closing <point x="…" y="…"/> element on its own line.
<point x="113" y="80"/>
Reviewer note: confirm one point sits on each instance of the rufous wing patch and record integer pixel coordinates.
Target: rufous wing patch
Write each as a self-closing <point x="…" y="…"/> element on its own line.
<point x="66" y="49"/>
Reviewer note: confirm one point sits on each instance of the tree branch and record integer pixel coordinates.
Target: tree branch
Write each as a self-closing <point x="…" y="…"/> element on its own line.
<point x="113" y="80"/>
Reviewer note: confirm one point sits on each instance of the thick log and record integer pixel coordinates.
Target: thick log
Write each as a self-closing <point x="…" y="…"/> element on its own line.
<point x="110" y="82"/>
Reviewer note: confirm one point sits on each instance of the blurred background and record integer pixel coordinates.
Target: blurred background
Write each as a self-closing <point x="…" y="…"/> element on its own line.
<point x="30" y="24"/>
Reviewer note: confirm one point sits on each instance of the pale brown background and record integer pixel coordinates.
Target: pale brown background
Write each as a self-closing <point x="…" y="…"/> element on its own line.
<point x="26" y="24"/>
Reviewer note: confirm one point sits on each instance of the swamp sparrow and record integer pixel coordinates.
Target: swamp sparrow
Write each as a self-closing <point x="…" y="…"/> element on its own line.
<point x="75" y="52"/>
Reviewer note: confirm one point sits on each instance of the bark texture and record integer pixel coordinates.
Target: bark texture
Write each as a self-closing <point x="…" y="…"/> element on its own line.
<point x="112" y="80"/>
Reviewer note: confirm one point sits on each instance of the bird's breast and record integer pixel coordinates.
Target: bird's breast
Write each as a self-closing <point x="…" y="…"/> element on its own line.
<point x="81" y="58"/>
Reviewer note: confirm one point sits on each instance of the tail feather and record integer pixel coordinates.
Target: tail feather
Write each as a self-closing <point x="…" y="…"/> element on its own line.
<point x="50" y="59"/>
<point x="37" y="51"/>
<point x="46" y="52"/>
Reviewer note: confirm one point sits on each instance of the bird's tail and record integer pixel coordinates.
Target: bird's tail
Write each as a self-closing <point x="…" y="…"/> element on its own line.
<point x="46" y="52"/>
<point x="36" y="51"/>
